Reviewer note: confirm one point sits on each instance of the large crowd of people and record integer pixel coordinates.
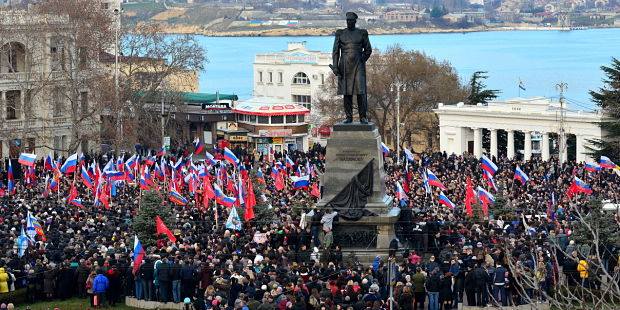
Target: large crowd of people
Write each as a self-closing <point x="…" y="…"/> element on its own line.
<point x="442" y="256"/>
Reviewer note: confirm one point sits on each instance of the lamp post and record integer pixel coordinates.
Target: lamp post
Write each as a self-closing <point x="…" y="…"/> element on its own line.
<point x="117" y="24"/>
<point x="398" y="85"/>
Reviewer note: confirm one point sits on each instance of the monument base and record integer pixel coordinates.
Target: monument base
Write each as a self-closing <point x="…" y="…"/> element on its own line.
<point x="350" y="149"/>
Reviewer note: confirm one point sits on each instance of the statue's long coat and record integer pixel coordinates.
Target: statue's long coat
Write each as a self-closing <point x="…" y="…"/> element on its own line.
<point x="351" y="50"/>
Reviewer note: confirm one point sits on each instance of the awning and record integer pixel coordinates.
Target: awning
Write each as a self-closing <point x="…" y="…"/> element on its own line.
<point x="192" y="98"/>
<point x="267" y="106"/>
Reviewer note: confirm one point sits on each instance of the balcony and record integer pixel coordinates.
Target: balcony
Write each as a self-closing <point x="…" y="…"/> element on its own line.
<point x="32" y="76"/>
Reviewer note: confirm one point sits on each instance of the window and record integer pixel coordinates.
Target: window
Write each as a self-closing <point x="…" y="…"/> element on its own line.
<point x="277" y="119"/>
<point x="252" y="118"/>
<point x="260" y="76"/>
<point x="57" y="54"/>
<point x="105" y="6"/>
<point x="263" y="119"/>
<point x="301" y="79"/>
<point x="84" y="146"/>
<point x="12" y="104"/>
<point x="322" y="78"/>
<point x="58" y="102"/>
<point x="280" y="77"/>
<point x="270" y="77"/>
<point x="84" y="103"/>
<point x="82" y="58"/>
<point x="290" y="119"/>
<point x="31" y="145"/>
<point x="304" y="100"/>
<point x="57" y="144"/>
<point x="300" y="118"/>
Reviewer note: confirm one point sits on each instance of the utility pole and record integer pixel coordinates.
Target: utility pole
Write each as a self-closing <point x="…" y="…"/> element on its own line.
<point x="562" y="87"/>
<point x="398" y="85"/>
<point x="117" y="24"/>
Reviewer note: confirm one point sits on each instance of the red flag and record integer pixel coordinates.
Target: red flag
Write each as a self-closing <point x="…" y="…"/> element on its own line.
<point x="280" y="181"/>
<point x="162" y="229"/>
<point x="104" y="197"/>
<point x="208" y="190"/>
<point x="470" y="196"/>
<point x="250" y="201"/>
<point x="315" y="190"/>
<point x="72" y="194"/>
<point x="406" y="187"/>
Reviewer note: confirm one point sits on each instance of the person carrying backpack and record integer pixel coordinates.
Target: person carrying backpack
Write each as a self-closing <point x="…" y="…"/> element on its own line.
<point x="100" y="286"/>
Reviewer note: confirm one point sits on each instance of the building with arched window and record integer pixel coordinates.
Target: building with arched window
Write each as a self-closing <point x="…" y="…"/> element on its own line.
<point x="295" y="75"/>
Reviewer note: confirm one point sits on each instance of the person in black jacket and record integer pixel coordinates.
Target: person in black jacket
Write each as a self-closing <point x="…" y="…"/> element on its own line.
<point x="146" y="275"/>
<point x="480" y="280"/>
<point x="433" y="285"/>
<point x="163" y="275"/>
<point x="175" y="279"/>
<point x="470" y="287"/>
<point x="188" y="285"/>
<point x="315" y="225"/>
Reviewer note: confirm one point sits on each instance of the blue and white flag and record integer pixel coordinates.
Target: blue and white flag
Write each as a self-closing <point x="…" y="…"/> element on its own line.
<point x="233" y="222"/>
<point x="22" y="243"/>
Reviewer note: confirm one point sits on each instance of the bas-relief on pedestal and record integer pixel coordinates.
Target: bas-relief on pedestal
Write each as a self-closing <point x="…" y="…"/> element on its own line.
<point x="350" y="149"/>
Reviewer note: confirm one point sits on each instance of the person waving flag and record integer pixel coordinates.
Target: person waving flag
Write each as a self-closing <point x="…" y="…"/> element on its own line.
<point x="443" y="199"/>
<point x="521" y="176"/>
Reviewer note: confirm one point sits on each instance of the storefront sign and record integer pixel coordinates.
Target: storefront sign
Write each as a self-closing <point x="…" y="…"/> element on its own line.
<point x="275" y="132"/>
<point x="238" y="138"/>
<point x="263" y="140"/>
<point x="277" y="140"/>
<point x="300" y="58"/>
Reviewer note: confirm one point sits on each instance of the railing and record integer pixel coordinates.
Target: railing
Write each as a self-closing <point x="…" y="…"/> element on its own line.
<point x="31" y="76"/>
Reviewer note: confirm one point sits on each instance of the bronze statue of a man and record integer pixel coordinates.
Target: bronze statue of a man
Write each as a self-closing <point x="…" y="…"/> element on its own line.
<point x="351" y="51"/>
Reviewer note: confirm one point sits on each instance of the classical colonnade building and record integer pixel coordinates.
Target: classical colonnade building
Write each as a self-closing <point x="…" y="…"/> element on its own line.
<point x="462" y="128"/>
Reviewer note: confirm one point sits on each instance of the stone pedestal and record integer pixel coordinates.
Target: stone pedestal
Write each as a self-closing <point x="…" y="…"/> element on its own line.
<point x="349" y="149"/>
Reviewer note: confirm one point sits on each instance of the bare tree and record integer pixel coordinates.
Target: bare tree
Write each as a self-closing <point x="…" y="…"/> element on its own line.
<point x="154" y="67"/>
<point x="587" y="274"/>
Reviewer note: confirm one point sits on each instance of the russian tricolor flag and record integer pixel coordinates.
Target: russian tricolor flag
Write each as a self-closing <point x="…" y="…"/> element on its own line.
<point x="138" y="254"/>
<point x="289" y="162"/>
<point x="86" y="179"/>
<point x="70" y="164"/>
<point x="230" y="157"/>
<point x="607" y="163"/>
<point x="488" y="165"/>
<point x="10" y="179"/>
<point x="409" y="155"/>
<point x="77" y="202"/>
<point x="582" y="186"/>
<point x="484" y="196"/>
<point x="433" y="180"/>
<point x="401" y="195"/>
<point x="443" y="199"/>
<point x="489" y="178"/>
<point x="221" y="198"/>
<point x="27" y="159"/>
<point x="132" y="162"/>
<point x="385" y="149"/>
<point x="48" y="165"/>
<point x="175" y="197"/>
<point x="520" y="175"/>
<point x="300" y="182"/>
<point x="593" y="167"/>
<point x="210" y="159"/>
<point x="199" y="146"/>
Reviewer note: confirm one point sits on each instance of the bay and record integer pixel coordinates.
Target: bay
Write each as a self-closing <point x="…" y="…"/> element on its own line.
<point x="541" y="59"/>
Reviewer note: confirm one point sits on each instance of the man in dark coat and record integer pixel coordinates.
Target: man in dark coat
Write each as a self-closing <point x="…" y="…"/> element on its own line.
<point x="350" y="53"/>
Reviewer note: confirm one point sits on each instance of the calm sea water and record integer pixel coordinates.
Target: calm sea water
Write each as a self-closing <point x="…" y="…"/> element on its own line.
<point x="541" y="59"/>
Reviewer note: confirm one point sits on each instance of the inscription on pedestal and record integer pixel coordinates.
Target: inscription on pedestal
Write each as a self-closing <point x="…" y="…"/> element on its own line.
<point x="346" y="155"/>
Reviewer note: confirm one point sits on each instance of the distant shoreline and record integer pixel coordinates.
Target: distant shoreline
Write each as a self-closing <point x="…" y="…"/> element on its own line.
<point x="299" y="32"/>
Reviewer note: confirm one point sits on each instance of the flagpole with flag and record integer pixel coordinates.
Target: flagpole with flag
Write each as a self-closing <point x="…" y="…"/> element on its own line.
<point x="521" y="87"/>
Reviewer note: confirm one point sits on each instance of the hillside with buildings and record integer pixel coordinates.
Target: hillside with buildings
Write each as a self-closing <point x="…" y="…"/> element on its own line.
<point x="228" y="18"/>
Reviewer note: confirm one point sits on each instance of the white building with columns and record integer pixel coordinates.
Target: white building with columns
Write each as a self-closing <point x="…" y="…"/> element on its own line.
<point x="461" y="127"/>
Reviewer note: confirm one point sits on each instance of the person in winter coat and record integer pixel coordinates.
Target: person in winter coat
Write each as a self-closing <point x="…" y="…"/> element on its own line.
<point x="89" y="287"/>
<point x="582" y="268"/>
<point x="445" y="291"/>
<point x="419" y="291"/>
<point x="433" y="286"/>
<point x="4" y="284"/>
<point x="100" y="286"/>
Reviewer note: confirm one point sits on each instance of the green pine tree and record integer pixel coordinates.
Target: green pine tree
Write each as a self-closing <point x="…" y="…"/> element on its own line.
<point x="477" y="89"/>
<point x="602" y="223"/>
<point x="608" y="99"/>
<point x="151" y="206"/>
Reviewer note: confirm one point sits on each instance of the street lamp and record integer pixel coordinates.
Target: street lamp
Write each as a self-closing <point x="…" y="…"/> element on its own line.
<point x="398" y="85"/>
<point x="117" y="25"/>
